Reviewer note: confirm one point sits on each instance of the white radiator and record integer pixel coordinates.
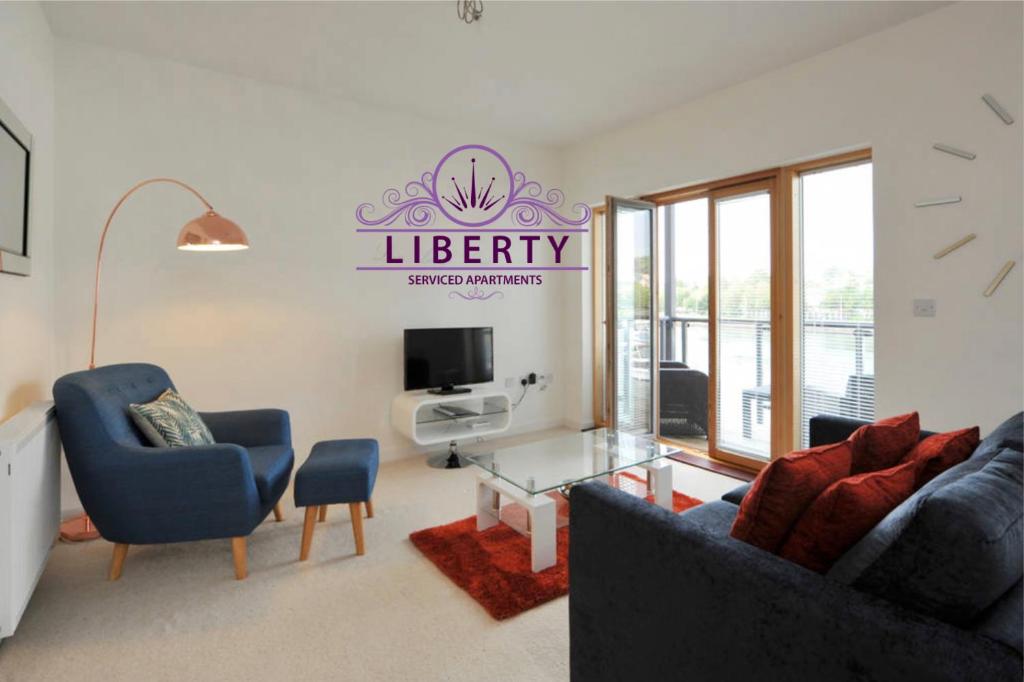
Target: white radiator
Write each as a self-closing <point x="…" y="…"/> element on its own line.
<point x="29" y="506"/>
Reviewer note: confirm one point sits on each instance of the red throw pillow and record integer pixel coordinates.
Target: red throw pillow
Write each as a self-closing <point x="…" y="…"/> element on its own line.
<point x="943" y="451"/>
<point x="884" y="444"/>
<point x="784" y="489"/>
<point x="845" y="513"/>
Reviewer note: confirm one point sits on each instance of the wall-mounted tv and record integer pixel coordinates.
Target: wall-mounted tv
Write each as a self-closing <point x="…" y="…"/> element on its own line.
<point x="442" y="359"/>
<point x="15" y="161"/>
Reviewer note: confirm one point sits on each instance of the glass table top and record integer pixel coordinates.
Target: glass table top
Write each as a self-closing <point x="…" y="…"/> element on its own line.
<point x="562" y="461"/>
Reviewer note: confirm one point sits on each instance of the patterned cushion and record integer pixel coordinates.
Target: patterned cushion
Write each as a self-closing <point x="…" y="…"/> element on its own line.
<point x="169" y="421"/>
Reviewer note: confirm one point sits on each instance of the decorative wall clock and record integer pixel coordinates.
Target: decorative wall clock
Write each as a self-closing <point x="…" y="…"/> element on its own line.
<point x="1004" y="115"/>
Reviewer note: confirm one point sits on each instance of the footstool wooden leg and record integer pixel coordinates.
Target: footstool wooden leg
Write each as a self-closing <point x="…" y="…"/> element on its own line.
<point x="357" y="526"/>
<point x="323" y="513"/>
<point x="307" y="532"/>
<point x="369" y="509"/>
<point x="278" y="514"/>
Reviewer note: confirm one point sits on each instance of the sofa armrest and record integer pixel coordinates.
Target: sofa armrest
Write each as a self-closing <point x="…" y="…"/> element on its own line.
<point x="149" y="495"/>
<point x="654" y="596"/>
<point x="250" y="428"/>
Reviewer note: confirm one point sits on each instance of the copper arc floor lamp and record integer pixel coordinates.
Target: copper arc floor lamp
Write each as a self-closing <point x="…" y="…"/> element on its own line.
<point x="208" y="232"/>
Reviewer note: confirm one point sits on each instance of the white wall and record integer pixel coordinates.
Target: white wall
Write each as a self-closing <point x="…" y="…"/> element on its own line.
<point x="289" y="323"/>
<point x="897" y="91"/>
<point x="26" y="303"/>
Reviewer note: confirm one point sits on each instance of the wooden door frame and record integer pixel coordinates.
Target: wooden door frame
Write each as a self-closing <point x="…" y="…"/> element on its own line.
<point x="599" y="324"/>
<point x="610" y="320"/>
<point x="769" y="185"/>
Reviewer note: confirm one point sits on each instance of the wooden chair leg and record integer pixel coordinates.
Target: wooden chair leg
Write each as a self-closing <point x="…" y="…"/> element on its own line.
<point x="117" y="562"/>
<point x="356" y="513"/>
<point x="323" y="513"/>
<point x="241" y="558"/>
<point x="307" y="532"/>
<point x="278" y="513"/>
<point x="369" y="509"/>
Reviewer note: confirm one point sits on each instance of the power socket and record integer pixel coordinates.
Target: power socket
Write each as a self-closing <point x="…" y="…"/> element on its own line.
<point x="532" y="378"/>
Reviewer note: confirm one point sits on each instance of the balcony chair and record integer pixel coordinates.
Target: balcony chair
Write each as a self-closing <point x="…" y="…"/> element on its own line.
<point x="683" y="400"/>
<point x="136" y="494"/>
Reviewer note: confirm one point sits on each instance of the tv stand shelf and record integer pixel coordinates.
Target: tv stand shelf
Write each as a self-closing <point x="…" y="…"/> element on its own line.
<point x="413" y="415"/>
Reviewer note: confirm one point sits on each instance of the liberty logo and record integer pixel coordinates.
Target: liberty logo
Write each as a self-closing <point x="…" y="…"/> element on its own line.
<point x="473" y="187"/>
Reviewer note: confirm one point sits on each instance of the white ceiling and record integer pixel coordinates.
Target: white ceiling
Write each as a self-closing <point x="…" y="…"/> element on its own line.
<point x="545" y="72"/>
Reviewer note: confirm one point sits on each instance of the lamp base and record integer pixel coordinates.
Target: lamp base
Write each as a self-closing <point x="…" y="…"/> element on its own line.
<point x="78" y="529"/>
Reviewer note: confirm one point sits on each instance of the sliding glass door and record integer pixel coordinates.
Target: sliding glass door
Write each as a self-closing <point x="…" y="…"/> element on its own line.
<point x="757" y="314"/>
<point x="629" y="299"/>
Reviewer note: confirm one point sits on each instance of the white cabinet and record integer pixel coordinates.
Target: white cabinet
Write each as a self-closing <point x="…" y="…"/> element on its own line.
<point x="483" y="413"/>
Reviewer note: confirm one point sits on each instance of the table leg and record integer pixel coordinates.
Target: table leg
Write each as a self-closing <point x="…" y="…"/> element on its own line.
<point x="543" y="538"/>
<point x="659" y="473"/>
<point x="487" y="502"/>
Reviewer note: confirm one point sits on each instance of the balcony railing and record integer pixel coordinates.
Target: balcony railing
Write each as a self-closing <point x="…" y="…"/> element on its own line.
<point x="845" y="388"/>
<point x="675" y="341"/>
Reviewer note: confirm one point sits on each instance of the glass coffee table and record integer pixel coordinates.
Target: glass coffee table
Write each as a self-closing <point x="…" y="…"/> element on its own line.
<point x="527" y="473"/>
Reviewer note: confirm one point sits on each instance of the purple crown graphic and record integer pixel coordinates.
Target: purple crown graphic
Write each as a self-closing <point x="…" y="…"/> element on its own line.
<point x="468" y="199"/>
<point x="472" y="204"/>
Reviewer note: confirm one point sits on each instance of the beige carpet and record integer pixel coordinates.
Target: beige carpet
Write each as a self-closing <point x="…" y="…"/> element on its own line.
<point x="178" y="614"/>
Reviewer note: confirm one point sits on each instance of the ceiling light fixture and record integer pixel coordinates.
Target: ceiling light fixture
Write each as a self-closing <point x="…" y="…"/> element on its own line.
<point x="469" y="10"/>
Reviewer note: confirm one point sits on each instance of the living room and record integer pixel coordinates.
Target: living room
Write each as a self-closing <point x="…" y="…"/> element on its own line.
<point x="821" y="203"/>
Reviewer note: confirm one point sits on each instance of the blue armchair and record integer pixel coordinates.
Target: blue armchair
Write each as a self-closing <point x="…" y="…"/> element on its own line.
<point x="137" y="495"/>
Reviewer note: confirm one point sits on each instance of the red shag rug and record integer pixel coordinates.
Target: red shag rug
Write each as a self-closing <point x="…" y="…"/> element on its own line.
<point x="493" y="566"/>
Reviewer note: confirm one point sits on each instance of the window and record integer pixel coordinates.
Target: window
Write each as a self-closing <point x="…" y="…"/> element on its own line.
<point x="837" y="321"/>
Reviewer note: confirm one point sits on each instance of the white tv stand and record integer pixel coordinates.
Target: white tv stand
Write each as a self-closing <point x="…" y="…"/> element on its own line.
<point x="413" y="415"/>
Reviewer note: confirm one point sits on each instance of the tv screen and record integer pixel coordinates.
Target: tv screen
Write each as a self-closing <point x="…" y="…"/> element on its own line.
<point x="445" y="358"/>
<point x="15" y="146"/>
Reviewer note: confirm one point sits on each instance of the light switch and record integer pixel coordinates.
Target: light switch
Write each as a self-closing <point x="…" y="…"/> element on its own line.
<point x="924" y="307"/>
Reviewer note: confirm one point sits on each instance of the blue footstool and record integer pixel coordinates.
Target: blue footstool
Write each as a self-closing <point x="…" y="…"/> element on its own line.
<point x="337" y="472"/>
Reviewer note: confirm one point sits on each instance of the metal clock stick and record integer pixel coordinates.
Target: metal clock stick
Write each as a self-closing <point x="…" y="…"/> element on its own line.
<point x="1004" y="115"/>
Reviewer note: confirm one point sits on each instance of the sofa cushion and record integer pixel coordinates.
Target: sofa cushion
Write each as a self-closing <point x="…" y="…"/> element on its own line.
<point x="937" y="453"/>
<point x="737" y="494"/>
<point x="883" y="444"/>
<point x="963" y="548"/>
<point x="783" y="491"/>
<point x="271" y="467"/>
<point x="169" y="421"/>
<point x="1009" y="434"/>
<point x="852" y="564"/>
<point x="846" y="512"/>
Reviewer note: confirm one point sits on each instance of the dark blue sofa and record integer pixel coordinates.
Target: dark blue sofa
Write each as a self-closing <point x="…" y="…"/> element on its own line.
<point x="659" y="596"/>
<point x="136" y="494"/>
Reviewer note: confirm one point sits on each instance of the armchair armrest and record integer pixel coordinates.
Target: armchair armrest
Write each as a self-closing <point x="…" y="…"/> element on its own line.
<point x="154" y="495"/>
<point x="250" y="428"/>
<point x="655" y="596"/>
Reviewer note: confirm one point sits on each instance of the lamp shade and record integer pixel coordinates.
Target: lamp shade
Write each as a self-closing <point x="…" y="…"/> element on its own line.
<point x="212" y="232"/>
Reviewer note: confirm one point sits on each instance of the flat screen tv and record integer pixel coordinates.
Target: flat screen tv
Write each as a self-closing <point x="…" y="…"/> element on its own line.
<point x="15" y="155"/>
<point x="442" y="359"/>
